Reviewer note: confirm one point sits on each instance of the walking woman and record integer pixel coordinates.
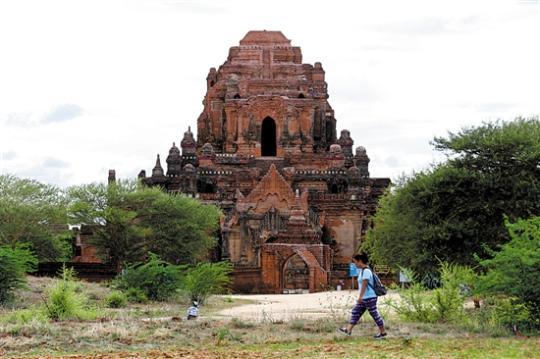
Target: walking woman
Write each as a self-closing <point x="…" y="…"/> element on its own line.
<point x="367" y="299"/>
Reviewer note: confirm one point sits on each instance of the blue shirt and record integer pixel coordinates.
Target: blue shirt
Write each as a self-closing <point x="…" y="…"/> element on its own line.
<point x="193" y="311"/>
<point x="367" y="274"/>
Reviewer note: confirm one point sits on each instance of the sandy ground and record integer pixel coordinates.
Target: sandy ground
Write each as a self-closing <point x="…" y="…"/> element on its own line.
<point x="272" y="307"/>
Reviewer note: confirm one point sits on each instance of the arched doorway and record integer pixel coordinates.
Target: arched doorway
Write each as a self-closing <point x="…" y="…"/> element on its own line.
<point x="268" y="137"/>
<point x="295" y="273"/>
<point x="329" y="133"/>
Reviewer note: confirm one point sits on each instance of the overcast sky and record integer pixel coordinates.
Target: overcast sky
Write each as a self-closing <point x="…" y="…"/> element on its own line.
<point x="86" y="86"/>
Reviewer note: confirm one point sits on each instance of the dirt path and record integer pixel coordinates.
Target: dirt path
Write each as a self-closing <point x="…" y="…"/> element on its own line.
<point x="294" y="306"/>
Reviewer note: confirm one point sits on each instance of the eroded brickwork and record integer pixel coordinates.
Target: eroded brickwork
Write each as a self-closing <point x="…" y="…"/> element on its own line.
<point x="297" y="199"/>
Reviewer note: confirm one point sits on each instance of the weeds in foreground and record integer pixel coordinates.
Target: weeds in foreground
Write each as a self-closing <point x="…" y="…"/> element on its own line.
<point x="224" y="334"/>
<point x="240" y="324"/>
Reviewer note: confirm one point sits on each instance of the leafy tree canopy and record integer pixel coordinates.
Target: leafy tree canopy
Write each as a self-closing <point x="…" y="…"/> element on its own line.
<point x="457" y="209"/>
<point x="130" y="221"/>
<point x="35" y="214"/>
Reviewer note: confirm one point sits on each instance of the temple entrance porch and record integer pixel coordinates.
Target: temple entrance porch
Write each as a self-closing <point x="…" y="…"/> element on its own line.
<point x="293" y="268"/>
<point x="295" y="274"/>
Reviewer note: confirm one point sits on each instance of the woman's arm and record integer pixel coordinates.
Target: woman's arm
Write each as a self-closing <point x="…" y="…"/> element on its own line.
<point x="362" y="290"/>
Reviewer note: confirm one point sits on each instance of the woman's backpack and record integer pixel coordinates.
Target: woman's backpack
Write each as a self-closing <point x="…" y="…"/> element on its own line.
<point x="377" y="286"/>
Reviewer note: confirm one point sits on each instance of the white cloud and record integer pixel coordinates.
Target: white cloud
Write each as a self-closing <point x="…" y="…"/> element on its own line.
<point x="54" y="163"/>
<point x="64" y="112"/>
<point x="108" y="83"/>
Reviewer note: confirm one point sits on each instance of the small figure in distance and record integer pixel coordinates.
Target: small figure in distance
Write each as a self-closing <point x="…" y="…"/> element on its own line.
<point x="193" y="311"/>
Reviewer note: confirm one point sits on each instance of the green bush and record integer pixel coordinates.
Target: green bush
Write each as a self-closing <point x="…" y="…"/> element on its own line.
<point x="207" y="279"/>
<point x="498" y="316"/>
<point x="448" y="304"/>
<point x="444" y="304"/>
<point x="457" y="283"/>
<point x="136" y="295"/>
<point x="14" y="264"/>
<point x="514" y="271"/>
<point x="158" y="280"/>
<point x="415" y="304"/>
<point x="64" y="302"/>
<point x="116" y="299"/>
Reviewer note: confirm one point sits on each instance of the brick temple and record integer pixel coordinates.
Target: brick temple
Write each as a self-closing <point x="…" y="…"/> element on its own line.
<point x="297" y="199"/>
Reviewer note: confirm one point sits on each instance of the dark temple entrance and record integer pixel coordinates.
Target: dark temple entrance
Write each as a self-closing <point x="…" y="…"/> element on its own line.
<point x="295" y="273"/>
<point x="268" y="138"/>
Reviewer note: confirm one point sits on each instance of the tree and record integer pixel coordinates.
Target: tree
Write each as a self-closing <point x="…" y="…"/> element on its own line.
<point x="514" y="270"/>
<point x="456" y="209"/>
<point x="35" y="214"/>
<point x="14" y="264"/>
<point x="182" y="230"/>
<point x="129" y="221"/>
<point x="117" y="235"/>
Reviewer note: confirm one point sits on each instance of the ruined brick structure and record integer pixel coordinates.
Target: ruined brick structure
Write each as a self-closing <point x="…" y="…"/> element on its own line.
<point x="296" y="199"/>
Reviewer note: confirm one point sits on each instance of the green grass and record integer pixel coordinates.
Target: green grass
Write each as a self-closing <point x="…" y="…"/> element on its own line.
<point x="226" y="338"/>
<point x="340" y="347"/>
<point x="402" y="348"/>
<point x="146" y="330"/>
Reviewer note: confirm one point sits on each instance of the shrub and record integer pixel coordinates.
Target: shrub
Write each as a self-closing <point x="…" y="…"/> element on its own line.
<point x="206" y="279"/>
<point x="444" y="304"/>
<point x="136" y="295"/>
<point x="514" y="271"/>
<point x="64" y="302"/>
<point x="457" y="282"/>
<point x="447" y="304"/>
<point x="14" y="264"/>
<point x="498" y="316"/>
<point x="157" y="279"/>
<point x="116" y="299"/>
<point x="415" y="305"/>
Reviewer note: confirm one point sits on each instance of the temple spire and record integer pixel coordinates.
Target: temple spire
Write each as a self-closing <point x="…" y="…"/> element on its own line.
<point x="157" y="171"/>
<point x="188" y="144"/>
<point x="174" y="161"/>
